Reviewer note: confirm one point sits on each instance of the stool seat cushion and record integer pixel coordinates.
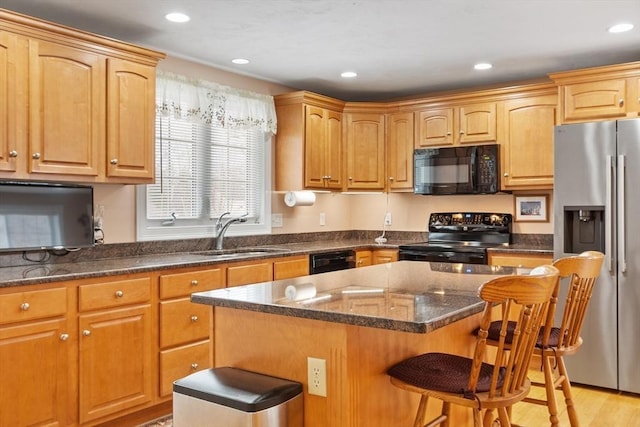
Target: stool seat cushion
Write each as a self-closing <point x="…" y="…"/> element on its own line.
<point x="443" y="372"/>
<point x="494" y="334"/>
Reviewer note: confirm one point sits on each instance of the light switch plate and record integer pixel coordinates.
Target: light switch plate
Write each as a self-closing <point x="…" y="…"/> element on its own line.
<point x="276" y="220"/>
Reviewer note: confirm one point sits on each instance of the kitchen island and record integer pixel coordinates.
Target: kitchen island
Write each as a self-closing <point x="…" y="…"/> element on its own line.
<point x="361" y="321"/>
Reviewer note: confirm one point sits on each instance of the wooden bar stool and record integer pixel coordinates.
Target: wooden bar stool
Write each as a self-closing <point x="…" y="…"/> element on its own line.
<point x="471" y="381"/>
<point x="581" y="272"/>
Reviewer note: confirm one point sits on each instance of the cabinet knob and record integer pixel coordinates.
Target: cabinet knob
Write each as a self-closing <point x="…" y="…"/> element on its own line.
<point x="621" y="102"/>
<point x="35" y="156"/>
<point x="448" y="133"/>
<point x="86" y="332"/>
<point x="194" y="318"/>
<point x="24" y="306"/>
<point x="194" y="366"/>
<point x="64" y="337"/>
<point x="461" y="132"/>
<point x="391" y="179"/>
<point x="13" y="153"/>
<point x="194" y="283"/>
<point x="350" y="178"/>
<point x="506" y="174"/>
<point x="119" y="294"/>
<point x="114" y="161"/>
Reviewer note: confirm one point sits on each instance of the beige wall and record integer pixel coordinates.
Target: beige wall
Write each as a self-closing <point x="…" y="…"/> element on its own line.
<point x="342" y="212"/>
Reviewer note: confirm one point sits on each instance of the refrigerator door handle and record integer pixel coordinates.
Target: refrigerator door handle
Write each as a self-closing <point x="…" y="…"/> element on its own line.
<point x="622" y="232"/>
<point x="608" y="224"/>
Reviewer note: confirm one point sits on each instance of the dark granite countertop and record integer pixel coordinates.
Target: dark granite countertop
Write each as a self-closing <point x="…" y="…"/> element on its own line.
<point x="40" y="273"/>
<point x="407" y="296"/>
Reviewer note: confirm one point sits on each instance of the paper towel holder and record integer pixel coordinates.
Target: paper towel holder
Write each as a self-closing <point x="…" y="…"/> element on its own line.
<point x="299" y="198"/>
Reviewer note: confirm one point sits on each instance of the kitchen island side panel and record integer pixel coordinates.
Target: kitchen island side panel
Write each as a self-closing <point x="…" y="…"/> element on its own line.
<point x="359" y="392"/>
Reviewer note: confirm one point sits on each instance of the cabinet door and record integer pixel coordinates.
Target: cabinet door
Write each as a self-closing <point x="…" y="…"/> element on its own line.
<point x="315" y="148"/>
<point x="383" y="256"/>
<point x="400" y="144"/>
<point x="13" y="66"/>
<point x="365" y="151"/>
<point x="594" y="100"/>
<point x="130" y="119"/>
<point x="66" y="109"/>
<point x="477" y="123"/>
<point x="519" y="260"/>
<point x="334" y="154"/>
<point x="116" y="368"/>
<point x="363" y="258"/>
<point x="182" y="361"/>
<point x="35" y="374"/>
<point x="528" y="143"/>
<point x="434" y="127"/>
<point x="286" y="268"/>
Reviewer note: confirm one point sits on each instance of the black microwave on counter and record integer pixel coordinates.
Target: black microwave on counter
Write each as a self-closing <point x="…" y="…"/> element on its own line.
<point x="457" y="170"/>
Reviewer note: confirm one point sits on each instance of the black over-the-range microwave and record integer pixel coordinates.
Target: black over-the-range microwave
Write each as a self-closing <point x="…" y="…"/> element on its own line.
<point x="457" y="170"/>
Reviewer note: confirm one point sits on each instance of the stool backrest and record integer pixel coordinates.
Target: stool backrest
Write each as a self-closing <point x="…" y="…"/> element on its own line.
<point x="582" y="272"/>
<point x="529" y="297"/>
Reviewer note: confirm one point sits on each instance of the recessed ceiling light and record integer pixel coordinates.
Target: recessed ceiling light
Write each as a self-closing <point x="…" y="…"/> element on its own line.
<point x="349" y="74"/>
<point x="240" y="61"/>
<point x="177" y="17"/>
<point x="620" y="28"/>
<point x="482" y="66"/>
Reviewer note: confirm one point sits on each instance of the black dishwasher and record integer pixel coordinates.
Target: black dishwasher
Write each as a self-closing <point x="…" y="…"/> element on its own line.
<point x="331" y="261"/>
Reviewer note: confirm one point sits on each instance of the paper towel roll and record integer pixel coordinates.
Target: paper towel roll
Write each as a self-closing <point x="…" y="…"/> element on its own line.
<point x="299" y="198"/>
<point x="300" y="292"/>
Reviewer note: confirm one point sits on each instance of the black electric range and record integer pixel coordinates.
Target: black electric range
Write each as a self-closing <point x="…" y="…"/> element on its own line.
<point x="460" y="237"/>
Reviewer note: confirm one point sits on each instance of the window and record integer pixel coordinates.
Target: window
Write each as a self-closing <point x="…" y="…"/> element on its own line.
<point x="204" y="170"/>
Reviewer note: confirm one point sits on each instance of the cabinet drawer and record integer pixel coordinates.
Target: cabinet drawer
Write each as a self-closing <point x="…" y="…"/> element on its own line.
<point x="23" y="306"/>
<point x="114" y="294"/>
<point x="249" y="273"/>
<point x="182" y="321"/>
<point x="182" y="361"/>
<point x="183" y="284"/>
<point x="291" y="267"/>
<point x="516" y="260"/>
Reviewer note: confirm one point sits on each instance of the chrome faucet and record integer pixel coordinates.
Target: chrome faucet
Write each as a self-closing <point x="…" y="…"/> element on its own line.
<point x="221" y="227"/>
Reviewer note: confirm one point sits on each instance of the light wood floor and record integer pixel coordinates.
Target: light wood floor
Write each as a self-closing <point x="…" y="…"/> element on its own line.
<point x="596" y="408"/>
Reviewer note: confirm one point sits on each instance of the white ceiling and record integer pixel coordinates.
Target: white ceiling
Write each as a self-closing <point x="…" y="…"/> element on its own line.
<point x="397" y="47"/>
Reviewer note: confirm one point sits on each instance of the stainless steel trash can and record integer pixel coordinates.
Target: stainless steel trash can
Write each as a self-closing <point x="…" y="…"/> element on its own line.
<point x="232" y="397"/>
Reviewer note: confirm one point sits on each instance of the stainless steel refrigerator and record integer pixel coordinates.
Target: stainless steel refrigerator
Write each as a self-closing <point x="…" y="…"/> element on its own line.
<point x="597" y="206"/>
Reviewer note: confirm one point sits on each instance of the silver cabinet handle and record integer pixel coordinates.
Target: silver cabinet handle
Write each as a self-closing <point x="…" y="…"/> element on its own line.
<point x="194" y="318"/>
<point x="13" y="153"/>
<point x="24" y="306"/>
<point x="194" y="366"/>
<point x="194" y="283"/>
<point x="114" y="161"/>
<point x="64" y="337"/>
<point x="86" y="332"/>
<point x="35" y="156"/>
<point x="119" y="294"/>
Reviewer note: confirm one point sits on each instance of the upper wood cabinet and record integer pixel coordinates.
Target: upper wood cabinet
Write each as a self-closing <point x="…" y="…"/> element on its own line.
<point x="399" y="149"/>
<point x="309" y="146"/>
<point x="87" y="102"/>
<point x="13" y="102"/>
<point x="464" y="124"/>
<point x="365" y="151"/>
<point x="599" y="93"/>
<point x="527" y="148"/>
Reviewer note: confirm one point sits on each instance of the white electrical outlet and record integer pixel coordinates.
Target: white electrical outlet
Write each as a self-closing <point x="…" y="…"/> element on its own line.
<point x="323" y="218"/>
<point x="317" y="376"/>
<point x="387" y="219"/>
<point x="276" y="220"/>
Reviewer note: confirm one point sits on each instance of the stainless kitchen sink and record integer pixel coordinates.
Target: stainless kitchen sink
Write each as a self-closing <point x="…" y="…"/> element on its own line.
<point x="239" y="253"/>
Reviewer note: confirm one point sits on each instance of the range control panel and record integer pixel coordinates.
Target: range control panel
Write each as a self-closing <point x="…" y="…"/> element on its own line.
<point x="469" y="219"/>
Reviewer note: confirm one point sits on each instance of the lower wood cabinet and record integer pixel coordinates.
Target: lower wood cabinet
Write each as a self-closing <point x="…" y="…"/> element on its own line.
<point x="519" y="259"/>
<point x="35" y="356"/>
<point x="366" y="257"/>
<point x="116" y="368"/>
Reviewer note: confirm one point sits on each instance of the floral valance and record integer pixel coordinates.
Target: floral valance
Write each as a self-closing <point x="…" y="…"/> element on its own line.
<point x="211" y="103"/>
